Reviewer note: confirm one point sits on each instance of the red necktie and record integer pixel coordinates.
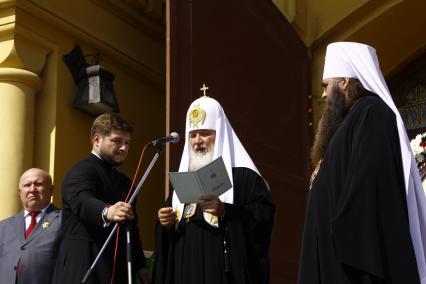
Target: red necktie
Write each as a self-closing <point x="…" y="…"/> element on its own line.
<point x="33" y="223"/>
<point x="27" y="233"/>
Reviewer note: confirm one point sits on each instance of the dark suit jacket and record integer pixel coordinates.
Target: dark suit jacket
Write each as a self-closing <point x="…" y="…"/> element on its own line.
<point x="88" y="187"/>
<point x="36" y="255"/>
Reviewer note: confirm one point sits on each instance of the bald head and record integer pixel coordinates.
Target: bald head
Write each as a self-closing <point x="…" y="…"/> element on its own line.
<point x="35" y="189"/>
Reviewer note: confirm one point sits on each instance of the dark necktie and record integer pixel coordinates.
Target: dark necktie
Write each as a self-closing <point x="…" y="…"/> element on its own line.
<point x="33" y="223"/>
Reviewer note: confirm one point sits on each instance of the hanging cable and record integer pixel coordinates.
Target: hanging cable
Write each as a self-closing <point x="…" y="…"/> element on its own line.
<point x="135" y="176"/>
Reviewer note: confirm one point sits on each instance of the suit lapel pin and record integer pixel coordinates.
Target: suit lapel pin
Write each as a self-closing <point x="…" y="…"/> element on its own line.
<point x="45" y="225"/>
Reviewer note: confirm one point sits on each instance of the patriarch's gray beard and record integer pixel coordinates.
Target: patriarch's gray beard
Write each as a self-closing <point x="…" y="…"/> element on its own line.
<point x="199" y="160"/>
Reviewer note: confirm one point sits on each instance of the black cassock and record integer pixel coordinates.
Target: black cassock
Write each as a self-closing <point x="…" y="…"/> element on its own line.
<point x="194" y="253"/>
<point x="356" y="227"/>
<point x="87" y="188"/>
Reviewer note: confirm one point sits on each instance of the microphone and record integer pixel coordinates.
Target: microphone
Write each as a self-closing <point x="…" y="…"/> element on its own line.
<point x="171" y="138"/>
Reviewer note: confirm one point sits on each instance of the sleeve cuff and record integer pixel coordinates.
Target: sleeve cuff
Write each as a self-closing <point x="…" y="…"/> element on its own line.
<point x="106" y="223"/>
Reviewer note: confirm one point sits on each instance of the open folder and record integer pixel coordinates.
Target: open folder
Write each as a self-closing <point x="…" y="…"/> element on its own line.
<point x="212" y="179"/>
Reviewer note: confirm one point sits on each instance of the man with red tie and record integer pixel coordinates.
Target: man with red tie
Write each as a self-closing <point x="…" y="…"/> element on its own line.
<point x="29" y="240"/>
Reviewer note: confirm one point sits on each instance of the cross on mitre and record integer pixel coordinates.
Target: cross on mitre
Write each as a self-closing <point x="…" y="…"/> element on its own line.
<point x="204" y="89"/>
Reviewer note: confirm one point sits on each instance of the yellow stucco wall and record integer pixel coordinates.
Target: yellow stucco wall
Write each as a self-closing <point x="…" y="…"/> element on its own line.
<point x="131" y="45"/>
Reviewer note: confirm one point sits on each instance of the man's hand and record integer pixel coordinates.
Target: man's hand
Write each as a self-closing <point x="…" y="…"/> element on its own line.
<point x="144" y="276"/>
<point x="120" y="212"/>
<point x="167" y="217"/>
<point x="213" y="205"/>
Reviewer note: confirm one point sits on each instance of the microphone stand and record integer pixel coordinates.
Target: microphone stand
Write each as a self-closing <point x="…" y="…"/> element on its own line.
<point x="129" y="253"/>
<point x="128" y="247"/>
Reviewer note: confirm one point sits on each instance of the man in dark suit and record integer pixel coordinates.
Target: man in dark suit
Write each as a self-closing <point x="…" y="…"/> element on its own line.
<point x="29" y="240"/>
<point x="92" y="196"/>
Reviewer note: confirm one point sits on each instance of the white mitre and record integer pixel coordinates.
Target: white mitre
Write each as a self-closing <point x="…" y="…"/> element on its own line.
<point x="359" y="61"/>
<point x="207" y="113"/>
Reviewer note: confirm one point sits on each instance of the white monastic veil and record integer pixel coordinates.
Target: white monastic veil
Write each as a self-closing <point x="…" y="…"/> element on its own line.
<point x="355" y="60"/>
<point x="207" y="113"/>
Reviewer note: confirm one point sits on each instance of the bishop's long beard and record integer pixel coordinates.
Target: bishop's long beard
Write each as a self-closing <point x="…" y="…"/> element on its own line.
<point x="333" y="116"/>
<point x="199" y="160"/>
